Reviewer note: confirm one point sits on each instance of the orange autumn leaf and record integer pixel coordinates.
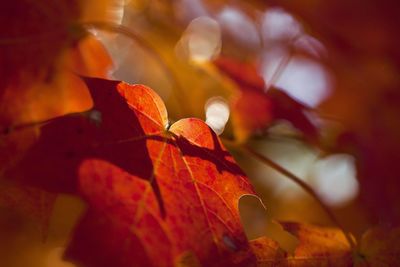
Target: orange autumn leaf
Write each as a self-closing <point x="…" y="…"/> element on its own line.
<point x="267" y="252"/>
<point x="318" y="246"/>
<point x="161" y="192"/>
<point x="322" y="246"/>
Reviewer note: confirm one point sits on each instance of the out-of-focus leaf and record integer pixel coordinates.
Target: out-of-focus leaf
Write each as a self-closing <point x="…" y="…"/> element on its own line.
<point x="39" y="55"/>
<point x="254" y="108"/>
<point x="379" y="246"/>
<point x="102" y="10"/>
<point x="267" y="252"/>
<point x="89" y="58"/>
<point x="321" y="246"/>
<point x="12" y="147"/>
<point x="244" y="74"/>
<point x="251" y="113"/>
<point x="318" y="246"/>
<point x="187" y="259"/>
<point x="64" y="92"/>
<point x="30" y="201"/>
<point x="33" y="34"/>
<point x="362" y="42"/>
<point x="287" y="108"/>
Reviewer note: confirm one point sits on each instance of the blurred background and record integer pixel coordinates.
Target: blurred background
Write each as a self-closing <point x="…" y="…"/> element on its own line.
<point x="313" y="85"/>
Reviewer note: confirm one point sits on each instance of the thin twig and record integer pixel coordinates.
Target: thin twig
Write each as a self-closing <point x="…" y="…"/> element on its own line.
<point x="264" y="159"/>
<point x="283" y="63"/>
<point x="303" y="185"/>
<point x="279" y="69"/>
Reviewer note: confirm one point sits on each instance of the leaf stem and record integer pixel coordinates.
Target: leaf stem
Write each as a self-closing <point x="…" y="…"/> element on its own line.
<point x="283" y="63"/>
<point x="264" y="159"/>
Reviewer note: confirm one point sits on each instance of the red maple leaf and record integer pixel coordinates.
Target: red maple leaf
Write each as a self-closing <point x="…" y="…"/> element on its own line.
<point x="154" y="194"/>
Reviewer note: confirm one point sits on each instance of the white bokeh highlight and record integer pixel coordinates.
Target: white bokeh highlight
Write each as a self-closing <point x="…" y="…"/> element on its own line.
<point x="334" y="179"/>
<point x="277" y="24"/>
<point x="217" y="114"/>
<point x="238" y="25"/>
<point x="201" y="41"/>
<point x="304" y="79"/>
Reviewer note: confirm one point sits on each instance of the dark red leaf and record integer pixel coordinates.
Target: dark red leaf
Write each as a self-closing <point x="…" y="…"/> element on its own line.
<point x="254" y="108"/>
